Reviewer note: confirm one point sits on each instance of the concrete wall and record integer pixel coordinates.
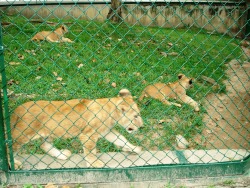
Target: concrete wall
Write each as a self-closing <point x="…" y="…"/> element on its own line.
<point x="223" y="19"/>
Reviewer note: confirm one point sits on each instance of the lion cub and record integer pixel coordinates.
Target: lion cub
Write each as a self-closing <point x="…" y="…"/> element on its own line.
<point x="86" y="119"/>
<point x="53" y="36"/>
<point x="176" y="90"/>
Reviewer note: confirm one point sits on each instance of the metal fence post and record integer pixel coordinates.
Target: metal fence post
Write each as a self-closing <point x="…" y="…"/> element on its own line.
<point x="5" y="136"/>
<point x="248" y="21"/>
<point x="3" y="156"/>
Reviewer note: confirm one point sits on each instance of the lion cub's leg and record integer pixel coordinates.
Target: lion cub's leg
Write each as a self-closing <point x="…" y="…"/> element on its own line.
<point x="50" y="39"/>
<point x="89" y="141"/>
<point x="164" y="99"/>
<point x="54" y="152"/>
<point x="63" y="39"/>
<point x="19" y="140"/>
<point x="188" y="100"/>
<point x="17" y="164"/>
<point x="120" y="141"/>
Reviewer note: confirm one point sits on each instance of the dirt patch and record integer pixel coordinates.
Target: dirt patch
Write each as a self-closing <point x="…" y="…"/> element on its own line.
<point x="227" y="118"/>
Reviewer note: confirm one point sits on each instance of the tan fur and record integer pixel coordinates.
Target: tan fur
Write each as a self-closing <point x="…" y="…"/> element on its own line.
<point x="88" y="120"/>
<point x="176" y="90"/>
<point x="53" y="36"/>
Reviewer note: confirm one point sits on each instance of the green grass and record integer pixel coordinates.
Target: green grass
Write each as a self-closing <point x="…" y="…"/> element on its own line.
<point x="228" y="183"/>
<point x="130" y="56"/>
<point x="32" y="186"/>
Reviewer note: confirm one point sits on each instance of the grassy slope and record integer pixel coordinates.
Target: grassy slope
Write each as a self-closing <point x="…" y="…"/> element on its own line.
<point x="130" y="56"/>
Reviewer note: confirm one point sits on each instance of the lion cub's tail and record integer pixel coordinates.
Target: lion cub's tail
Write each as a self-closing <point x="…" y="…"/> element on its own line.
<point x="142" y="96"/>
<point x="34" y="38"/>
<point x="13" y="120"/>
<point x="39" y="36"/>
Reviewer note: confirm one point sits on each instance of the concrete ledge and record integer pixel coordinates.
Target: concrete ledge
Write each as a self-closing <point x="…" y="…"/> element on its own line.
<point x="133" y="176"/>
<point x="215" y="156"/>
<point x="145" y="158"/>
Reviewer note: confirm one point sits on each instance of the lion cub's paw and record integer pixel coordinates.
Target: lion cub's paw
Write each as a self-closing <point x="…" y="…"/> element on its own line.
<point x="18" y="164"/>
<point x="65" y="154"/>
<point x="178" y="105"/>
<point x="137" y="149"/>
<point x="96" y="164"/>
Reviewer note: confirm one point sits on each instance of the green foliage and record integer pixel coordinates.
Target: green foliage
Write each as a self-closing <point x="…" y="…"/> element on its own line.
<point x="32" y="186"/>
<point x="228" y="183"/>
<point x="211" y="186"/>
<point x="28" y="186"/>
<point x="3" y="185"/>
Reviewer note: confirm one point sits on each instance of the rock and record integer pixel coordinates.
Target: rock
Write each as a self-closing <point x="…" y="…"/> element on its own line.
<point x="113" y="84"/>
<point x="173" y="53"/>
<point x="165" y="121"/>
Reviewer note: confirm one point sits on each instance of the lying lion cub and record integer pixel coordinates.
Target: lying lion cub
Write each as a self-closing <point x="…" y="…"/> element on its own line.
<point x="53" y="36"/>
<point x="87" y="119"/>
<point x="176" y="90"/>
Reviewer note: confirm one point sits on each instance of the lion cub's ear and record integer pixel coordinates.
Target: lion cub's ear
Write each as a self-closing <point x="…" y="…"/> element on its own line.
<point x="64" y="28"/>
<point x="124" y="93"/>
<point x="180" y="76"/>
<point x="191" y="81"/>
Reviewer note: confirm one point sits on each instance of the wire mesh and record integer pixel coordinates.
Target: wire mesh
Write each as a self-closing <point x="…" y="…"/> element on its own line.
<point x="180" y="69"/>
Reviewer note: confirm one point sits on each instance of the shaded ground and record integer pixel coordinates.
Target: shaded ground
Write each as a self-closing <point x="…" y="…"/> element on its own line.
<point x="238" y="182"/>
<point x="227" y="118"/>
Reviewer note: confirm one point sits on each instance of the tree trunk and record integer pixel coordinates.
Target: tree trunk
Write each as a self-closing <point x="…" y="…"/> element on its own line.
<point x="115" y="12"/>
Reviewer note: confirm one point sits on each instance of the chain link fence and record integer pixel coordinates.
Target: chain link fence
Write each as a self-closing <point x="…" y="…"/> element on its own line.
<point x="117" y="84"/>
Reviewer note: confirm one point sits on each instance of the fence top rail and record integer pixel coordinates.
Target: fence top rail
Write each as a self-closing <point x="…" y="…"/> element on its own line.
<point x="51" y="2"/>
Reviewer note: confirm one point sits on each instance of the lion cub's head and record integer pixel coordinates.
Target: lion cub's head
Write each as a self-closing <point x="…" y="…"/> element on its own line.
<point x="130" y="117"/>
<point x="185" y="81"/>
<point x="62" y="30"/>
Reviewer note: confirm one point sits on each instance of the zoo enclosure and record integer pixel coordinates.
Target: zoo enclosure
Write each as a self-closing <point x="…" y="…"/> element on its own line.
<point x="150" y="19"/>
